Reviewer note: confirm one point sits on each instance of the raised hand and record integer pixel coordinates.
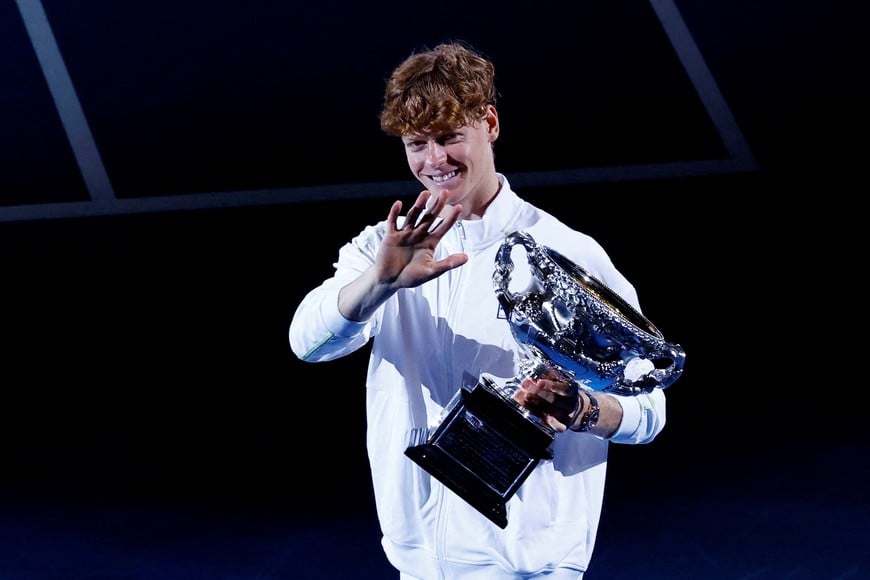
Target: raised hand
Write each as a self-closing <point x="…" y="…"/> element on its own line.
<point x="406" y="257"/>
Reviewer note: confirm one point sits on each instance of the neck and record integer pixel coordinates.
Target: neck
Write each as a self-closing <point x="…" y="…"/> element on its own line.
<point x="478" y="208"/>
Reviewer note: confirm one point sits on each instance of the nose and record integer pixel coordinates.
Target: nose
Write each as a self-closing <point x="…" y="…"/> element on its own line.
<point x="435" y="154"/>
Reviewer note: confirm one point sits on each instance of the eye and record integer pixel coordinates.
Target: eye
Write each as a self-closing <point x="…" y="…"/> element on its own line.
<point x="415" y="146"/>
<point x="451" y="138"/>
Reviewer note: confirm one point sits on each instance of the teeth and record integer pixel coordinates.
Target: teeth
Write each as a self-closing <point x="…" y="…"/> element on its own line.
<point x="443" y="178"/>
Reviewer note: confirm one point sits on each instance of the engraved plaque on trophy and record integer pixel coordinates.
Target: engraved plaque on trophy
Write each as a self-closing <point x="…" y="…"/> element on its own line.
<point x="569" y="325"/>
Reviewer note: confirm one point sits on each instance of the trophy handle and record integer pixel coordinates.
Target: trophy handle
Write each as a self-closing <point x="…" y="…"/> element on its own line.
<point x="504" y="266"/>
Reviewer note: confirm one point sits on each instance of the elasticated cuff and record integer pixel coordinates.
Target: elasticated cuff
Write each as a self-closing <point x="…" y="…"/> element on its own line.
<point x="332" y="318"/>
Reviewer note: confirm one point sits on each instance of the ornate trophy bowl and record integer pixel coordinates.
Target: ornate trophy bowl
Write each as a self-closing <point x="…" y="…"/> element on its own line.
<point x="569" y="326"/>
<point x="569" y="322"/>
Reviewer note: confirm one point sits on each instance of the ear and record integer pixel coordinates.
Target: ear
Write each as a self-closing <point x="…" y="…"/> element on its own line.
<point x="492" y="123"/>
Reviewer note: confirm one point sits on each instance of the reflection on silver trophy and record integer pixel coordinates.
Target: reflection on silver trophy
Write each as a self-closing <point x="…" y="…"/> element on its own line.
<point x="569" y="322"/>
<point x="568" y="325"/>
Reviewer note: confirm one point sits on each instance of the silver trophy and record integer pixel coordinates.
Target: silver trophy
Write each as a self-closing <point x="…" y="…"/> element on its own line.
<point x="569" y="326"/>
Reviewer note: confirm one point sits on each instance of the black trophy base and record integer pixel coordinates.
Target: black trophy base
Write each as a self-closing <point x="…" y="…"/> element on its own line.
<point x="484" y="449"/>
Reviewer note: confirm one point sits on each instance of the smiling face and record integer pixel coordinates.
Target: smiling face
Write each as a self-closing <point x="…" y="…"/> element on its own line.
<point x="460" y="163"/>
<point x="441" y="102"/>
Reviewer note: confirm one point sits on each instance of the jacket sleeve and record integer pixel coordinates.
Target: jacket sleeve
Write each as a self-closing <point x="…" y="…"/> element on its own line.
<point x="318" y="331"/>
<point x="643" y="416"/>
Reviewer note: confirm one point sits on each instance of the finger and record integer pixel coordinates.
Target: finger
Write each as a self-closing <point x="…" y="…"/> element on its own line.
<point x="393" y="216"/>
<point x="547" y="396"/>
<point x="423" y="198"/>
<point x="436" y="202"/>
<point x="559" y="397"/>
<point x="526" y="399"/>
<point x="555" y="424"/>
<point x="418" y="210"/>
<point x="448" y="219"/>
<point x="412" y="220"/>
<point x="452" y="261"/>
<point x="534" y="393"/>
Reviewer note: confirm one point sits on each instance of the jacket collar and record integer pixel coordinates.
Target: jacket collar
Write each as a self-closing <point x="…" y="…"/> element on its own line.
<point x="498" y="220"/>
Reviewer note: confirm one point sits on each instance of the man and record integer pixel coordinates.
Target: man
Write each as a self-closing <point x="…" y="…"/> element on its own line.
<point x="420" y="287"/>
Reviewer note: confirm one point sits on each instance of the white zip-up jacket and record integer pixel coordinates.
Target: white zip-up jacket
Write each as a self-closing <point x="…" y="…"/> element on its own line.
<point x="428" y="342"/>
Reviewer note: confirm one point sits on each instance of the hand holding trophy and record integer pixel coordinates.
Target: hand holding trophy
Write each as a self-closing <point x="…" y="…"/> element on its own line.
<point x="568" y="325"/>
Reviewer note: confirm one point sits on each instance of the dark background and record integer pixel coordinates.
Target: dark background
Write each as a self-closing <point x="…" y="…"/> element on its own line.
<point x="166" y="203"/>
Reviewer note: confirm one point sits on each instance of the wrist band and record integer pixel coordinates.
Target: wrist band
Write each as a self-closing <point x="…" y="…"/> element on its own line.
<point x="590" y="416"/>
